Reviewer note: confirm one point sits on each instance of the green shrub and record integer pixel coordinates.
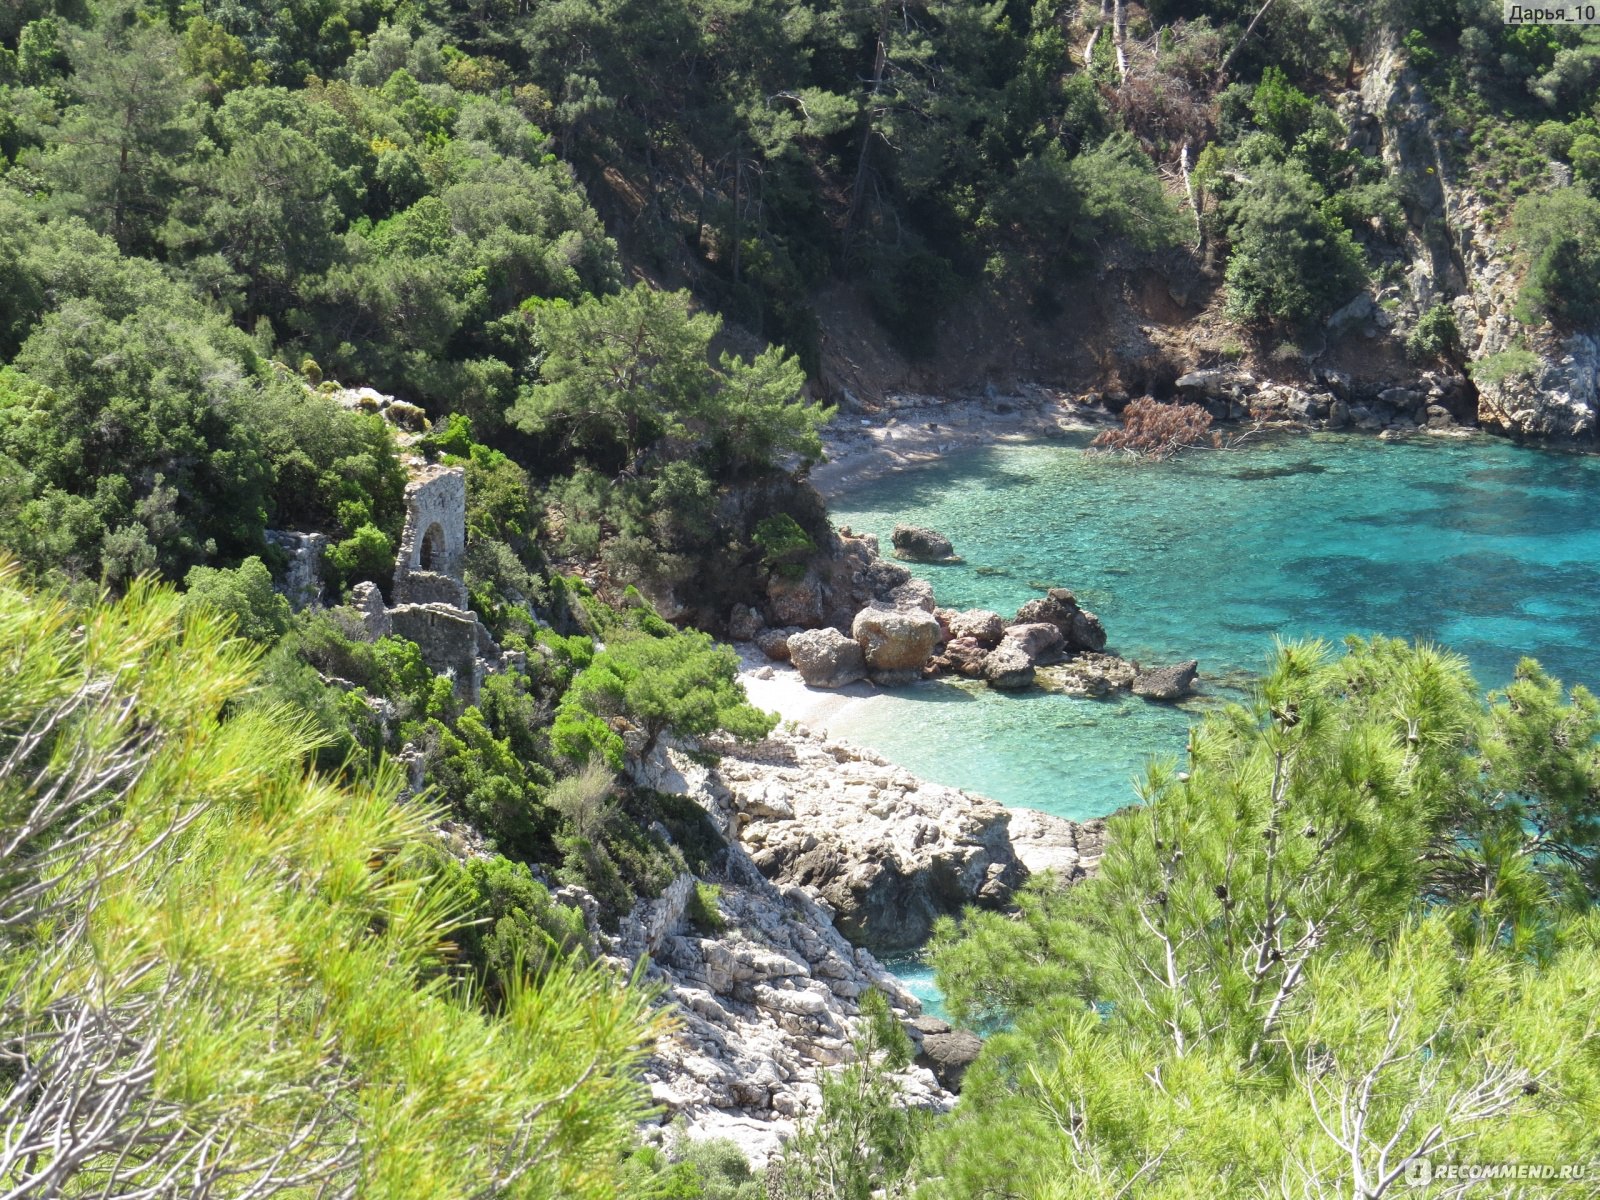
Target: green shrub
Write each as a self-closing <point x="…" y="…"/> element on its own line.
<point x="244" y="593"/>
<point x="1557" y="235"/>
<point x="1494" y="369"/>
<point x="784" y="545"/>
<point x="705" y="907"/>
<point x="1288" y="262"/>
<point x="1436" y="335"/>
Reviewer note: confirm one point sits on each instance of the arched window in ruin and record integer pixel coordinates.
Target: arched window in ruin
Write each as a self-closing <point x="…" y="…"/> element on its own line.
<point x="432" y="555"/>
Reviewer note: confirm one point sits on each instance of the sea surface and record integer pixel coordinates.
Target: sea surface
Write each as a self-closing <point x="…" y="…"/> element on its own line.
<point x="1480" y="545"/>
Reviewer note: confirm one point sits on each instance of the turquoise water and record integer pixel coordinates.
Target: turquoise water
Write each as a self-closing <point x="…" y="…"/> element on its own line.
<point x="1491" y="549"/>
<point x="916" y="976"/>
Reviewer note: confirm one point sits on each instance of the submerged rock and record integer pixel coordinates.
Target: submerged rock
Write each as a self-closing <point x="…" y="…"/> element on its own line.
<point x="916" y="544"/>
<point x="826" y="658"/>
<point x="1090" y="674"/>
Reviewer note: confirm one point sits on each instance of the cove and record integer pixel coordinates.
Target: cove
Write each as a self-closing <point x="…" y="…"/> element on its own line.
<point x="1480" y="545"/>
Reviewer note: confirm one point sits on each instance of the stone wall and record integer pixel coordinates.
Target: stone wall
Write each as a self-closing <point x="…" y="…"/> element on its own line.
<point x="448" y="638"/>
<point x="434" y="538"/>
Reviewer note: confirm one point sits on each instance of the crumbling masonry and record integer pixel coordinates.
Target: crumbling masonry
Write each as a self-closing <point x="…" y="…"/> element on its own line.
<point x="428" y="588"/>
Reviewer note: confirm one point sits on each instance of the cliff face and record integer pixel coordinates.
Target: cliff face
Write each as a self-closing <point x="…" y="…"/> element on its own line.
<point x="1454" y="252"/>
<point x="822" y="839"/>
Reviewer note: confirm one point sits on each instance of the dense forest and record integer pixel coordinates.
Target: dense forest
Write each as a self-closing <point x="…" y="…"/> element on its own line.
<point x="582" y="244"/>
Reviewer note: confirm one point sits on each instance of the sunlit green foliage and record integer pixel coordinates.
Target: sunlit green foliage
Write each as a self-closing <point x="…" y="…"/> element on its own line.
<point x="1365" y="883"/>
<point x="287" y="1033"/>
<point x="680" y="681"/>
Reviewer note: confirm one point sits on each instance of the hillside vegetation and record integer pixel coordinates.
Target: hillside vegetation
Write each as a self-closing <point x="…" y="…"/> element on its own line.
<point x="585" y="243"/>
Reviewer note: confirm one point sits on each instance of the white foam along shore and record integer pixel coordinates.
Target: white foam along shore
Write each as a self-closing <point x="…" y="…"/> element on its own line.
<point x="909" y="431"/>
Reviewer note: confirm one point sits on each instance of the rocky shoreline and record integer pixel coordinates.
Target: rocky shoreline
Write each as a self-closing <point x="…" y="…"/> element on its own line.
<point x="821" y="837"/>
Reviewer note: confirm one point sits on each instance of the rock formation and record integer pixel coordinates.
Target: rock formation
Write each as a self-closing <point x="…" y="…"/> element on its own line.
<point x="1008" y="667"/>
<point x="1166" y="683"/>
<point x="770" y="999"/>
<point x="916" y="544"/>
<point x="826" y="658"/>
<point x="888" y="851"/>
<point x="896" y="643"/>
<point x="302" y="578"/>
<point x="1080" y="629"/>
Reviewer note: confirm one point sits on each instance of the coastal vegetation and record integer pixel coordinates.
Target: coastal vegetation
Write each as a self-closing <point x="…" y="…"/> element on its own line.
<point x="290" y="908"/>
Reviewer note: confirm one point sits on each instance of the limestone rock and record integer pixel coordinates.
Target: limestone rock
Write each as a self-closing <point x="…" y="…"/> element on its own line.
<point x="1080" y="629"/>
<point x="963" y="655"/>
<point x="986" y="627"/>
<point x="744" y="623"/>
<point x="895" y="640"/>
<point x="774" y="643"/>
<point x="916" y="544"/>
<point x="948" y="1054"/>
<point x="914" y="593"/>
<point x="1008" y="667"/>
<point x="795" y="601"/>
<point x="1166" y="683"/>
<point x="888" y="851"/>
<point x="1039" y="641"/>
<point x="826" y="658"/>
<point x="1090" y="674"/>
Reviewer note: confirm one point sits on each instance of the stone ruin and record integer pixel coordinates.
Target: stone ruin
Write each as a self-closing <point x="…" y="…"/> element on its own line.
<point x="428" y="588"/>
<point x="427" y="570"/>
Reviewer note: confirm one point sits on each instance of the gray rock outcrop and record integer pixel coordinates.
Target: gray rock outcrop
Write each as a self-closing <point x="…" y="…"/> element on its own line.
<point x="888" y="851"/>
<point x="1040" y="641"/>
<point x="917" y="544"/>
<point x="980" y="624"/>
<point x="774" y="643"/>
<point x="826" y="658"/>
<point x="1166" y="683"/>
<point x="1068" y="849"/>
<point x="1090" y="674"/>
<point x="945" y="1051"/>
<point x="1008" y="667"/>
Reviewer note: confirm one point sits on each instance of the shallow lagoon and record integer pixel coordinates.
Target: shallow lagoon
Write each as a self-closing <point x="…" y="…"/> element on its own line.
<point x="1484" y="546"/>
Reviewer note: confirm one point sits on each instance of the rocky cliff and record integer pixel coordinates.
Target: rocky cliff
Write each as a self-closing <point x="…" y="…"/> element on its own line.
<point x="822" y="838"/>
<point x="1456" y="253"/>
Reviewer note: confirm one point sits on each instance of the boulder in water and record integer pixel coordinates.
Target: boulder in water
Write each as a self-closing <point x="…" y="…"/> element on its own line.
<point x="1167" y="683"/>
<point x="1008" y="667"/>
<point x="916" y="544"/>
<point x="963" y="655"/>
<point x="1040" y="641"/>
<point x="1080" y="628"/>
